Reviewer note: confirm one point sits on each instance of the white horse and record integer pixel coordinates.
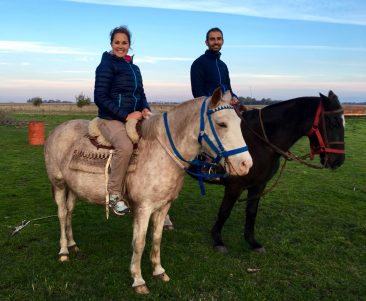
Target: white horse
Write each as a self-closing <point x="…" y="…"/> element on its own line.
<point x="158" y="175"/>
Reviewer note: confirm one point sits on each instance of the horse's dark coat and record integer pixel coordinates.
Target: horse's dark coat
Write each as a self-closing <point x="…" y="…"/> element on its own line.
<point x="284" y="123"/>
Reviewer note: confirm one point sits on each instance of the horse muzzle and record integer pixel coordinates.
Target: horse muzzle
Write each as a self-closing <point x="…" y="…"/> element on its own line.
<point x="238" y="167"/>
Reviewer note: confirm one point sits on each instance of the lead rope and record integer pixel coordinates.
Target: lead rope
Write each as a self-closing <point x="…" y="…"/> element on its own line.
<point x="270" y="189"/>
<point x="286" y="155"/>
<point x="106" y="182"/>
<point x="171" y="155"/>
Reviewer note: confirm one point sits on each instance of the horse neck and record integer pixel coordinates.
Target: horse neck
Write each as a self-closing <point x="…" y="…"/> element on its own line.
<point x="183" y="123"/>
<point x="286" y="122"/>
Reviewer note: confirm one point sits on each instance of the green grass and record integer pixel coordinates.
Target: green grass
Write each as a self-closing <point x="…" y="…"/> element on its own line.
<point x="313" y="226"/>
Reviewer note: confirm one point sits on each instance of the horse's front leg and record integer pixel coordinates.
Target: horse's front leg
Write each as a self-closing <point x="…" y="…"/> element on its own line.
<point x="232" y="193"/>
<point x="158" y="218"/>
<point x="140" y="225"/>
<point x="254" y="194"/>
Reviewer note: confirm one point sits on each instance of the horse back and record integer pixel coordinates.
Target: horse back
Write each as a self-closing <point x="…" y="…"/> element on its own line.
<point x="59" y="143"/>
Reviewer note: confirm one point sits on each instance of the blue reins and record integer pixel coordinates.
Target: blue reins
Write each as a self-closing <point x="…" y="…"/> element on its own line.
<point x="218" y="150"/>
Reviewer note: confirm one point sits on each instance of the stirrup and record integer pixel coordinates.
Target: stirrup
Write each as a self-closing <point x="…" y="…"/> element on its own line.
<point x="118" y="206"/>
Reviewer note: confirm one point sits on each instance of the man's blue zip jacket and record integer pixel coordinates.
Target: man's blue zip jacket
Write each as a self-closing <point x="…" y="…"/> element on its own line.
<point x="209" y="72"/>
<point x="118" y="89"/>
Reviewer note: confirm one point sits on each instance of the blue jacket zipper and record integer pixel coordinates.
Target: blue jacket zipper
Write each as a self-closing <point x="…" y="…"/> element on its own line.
<point x="119" y="100"/>
<point x="218" y="70"/>
<point x="133" y="94"/>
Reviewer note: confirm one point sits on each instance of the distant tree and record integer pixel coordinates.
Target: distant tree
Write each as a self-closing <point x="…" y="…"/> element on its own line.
<point x="82" y="100"/>
<point x="36" y="101"/>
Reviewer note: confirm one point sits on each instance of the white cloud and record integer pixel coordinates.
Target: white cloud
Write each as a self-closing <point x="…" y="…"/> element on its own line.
<point x="156" y="59"/>
<point x="310" y="47"/>
<point x="263" y="76"/>
<point x="44" y="84"/>
<point x="77" y="71"/>
<point x="332" y="11"/>
<point x="38" y="47"/>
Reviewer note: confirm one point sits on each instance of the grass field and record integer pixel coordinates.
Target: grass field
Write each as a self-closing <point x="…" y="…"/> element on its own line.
<point x="313" y="227"/>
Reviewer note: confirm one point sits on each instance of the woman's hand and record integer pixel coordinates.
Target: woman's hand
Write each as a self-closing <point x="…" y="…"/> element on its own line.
<point x="146" y="113"/>
<point x="134" y="115"/>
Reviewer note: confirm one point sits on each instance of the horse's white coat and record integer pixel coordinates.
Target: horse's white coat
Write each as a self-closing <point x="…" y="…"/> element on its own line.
<point x="156" y="181"/>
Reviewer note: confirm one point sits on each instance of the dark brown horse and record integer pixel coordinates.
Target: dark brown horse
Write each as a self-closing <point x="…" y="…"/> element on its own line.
<point x="269" y="134"/>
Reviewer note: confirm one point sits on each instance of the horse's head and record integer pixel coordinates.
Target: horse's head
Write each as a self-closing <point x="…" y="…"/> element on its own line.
<point x="223" y="130"/>
<point x="327" y="138"/>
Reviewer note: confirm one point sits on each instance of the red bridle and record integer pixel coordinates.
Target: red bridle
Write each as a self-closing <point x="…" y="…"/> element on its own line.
<point x="324" y="144"/>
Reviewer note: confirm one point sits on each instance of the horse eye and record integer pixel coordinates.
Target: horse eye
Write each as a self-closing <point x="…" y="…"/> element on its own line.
<point x="222" y="124"/>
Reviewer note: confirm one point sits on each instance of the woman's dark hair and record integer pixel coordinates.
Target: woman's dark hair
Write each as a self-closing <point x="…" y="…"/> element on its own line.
<point x="214" y="29"/>
<point x="121" y="29"/>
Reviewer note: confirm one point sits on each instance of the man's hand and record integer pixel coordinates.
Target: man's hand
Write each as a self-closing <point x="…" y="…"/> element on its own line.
<point x="234" y="101"/>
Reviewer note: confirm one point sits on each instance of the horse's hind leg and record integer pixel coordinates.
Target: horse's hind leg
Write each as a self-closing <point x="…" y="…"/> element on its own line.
<point x="254" y="194"/>
<point x="59" y="194"/>
<point x="70" y="205"/>
<point x="168" y="224"/>
<point x="158" y="218"/>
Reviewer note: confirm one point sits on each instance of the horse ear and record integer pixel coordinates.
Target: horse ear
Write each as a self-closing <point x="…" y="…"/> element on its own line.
<point x="322" y="96"/>
<point x="331" y="95"/>
<point x="227" y="96"/>
<point x="216" y="97"/>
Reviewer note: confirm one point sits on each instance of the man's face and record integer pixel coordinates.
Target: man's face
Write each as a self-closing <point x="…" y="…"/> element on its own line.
<point x="215" y="41"/>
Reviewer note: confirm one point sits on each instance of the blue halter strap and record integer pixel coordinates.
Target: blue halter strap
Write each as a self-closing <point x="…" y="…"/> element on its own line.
<point x="218" y="150"/>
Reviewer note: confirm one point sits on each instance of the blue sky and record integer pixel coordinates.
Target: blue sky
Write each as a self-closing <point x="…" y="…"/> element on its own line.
<point x="274" y="49"/>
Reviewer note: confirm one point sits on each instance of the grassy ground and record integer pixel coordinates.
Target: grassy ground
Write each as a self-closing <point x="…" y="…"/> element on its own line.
<point x="313" y="227"/>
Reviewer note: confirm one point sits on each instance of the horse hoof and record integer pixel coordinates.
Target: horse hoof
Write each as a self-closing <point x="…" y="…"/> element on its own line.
<point x="260" y="250"/>
<point x="141" y="289"/>
<point x="168" y="227"/>
<point x="162" y="277"/>
<point x="221" y="249"/>
<point x="74" y="249"/>
<point x="63" y="258"/>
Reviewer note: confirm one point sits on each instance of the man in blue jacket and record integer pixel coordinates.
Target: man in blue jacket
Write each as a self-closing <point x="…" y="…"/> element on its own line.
<point x="209" y="72"/>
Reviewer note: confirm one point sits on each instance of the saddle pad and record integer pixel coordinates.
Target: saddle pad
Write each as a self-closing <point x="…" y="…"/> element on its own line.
<point x="86" y="157"/>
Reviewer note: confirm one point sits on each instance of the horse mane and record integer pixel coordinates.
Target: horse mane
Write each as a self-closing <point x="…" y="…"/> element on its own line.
<point x="149" y="127"/>
<point x="179" y="116"/>
<point x="183" y="114"/>
<point x="291" y="108"/>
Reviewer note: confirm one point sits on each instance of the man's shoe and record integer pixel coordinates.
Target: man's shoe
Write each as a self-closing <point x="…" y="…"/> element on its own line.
<point x="117" y="205"/>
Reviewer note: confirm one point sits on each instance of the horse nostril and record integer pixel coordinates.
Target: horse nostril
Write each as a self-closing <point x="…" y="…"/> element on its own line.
<point x="246" y="164"/>
<point x="243" y="165"/>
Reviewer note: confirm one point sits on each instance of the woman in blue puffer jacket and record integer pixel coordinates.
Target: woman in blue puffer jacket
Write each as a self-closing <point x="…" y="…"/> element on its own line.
<point x="120" y="96"/>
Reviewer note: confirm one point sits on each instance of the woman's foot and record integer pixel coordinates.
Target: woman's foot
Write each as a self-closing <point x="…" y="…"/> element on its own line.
<point x="117" y="205"/>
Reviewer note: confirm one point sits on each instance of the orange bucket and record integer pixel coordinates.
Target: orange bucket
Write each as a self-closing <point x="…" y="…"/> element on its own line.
<point x="36" y="132"/>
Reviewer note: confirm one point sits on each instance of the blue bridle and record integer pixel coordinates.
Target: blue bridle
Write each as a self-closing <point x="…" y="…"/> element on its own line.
<point x="218" y="150"/>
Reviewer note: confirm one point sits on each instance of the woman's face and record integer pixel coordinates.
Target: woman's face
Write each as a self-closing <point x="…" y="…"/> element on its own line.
<point x="120" y="45"/>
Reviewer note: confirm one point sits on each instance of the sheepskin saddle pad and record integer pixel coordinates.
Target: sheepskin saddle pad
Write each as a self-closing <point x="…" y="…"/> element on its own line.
<point x="91" y="153"/>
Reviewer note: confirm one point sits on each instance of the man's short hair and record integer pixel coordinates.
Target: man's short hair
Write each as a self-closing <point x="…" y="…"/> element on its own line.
<point x="214" y="29"/>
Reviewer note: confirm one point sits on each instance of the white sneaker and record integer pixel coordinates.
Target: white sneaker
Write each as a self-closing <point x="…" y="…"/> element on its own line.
<point x="118" y="206"/>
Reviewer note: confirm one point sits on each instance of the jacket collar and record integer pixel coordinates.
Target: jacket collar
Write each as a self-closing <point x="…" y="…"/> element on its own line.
<point x="127" y="58"/>
<point x="212" y="54"/>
